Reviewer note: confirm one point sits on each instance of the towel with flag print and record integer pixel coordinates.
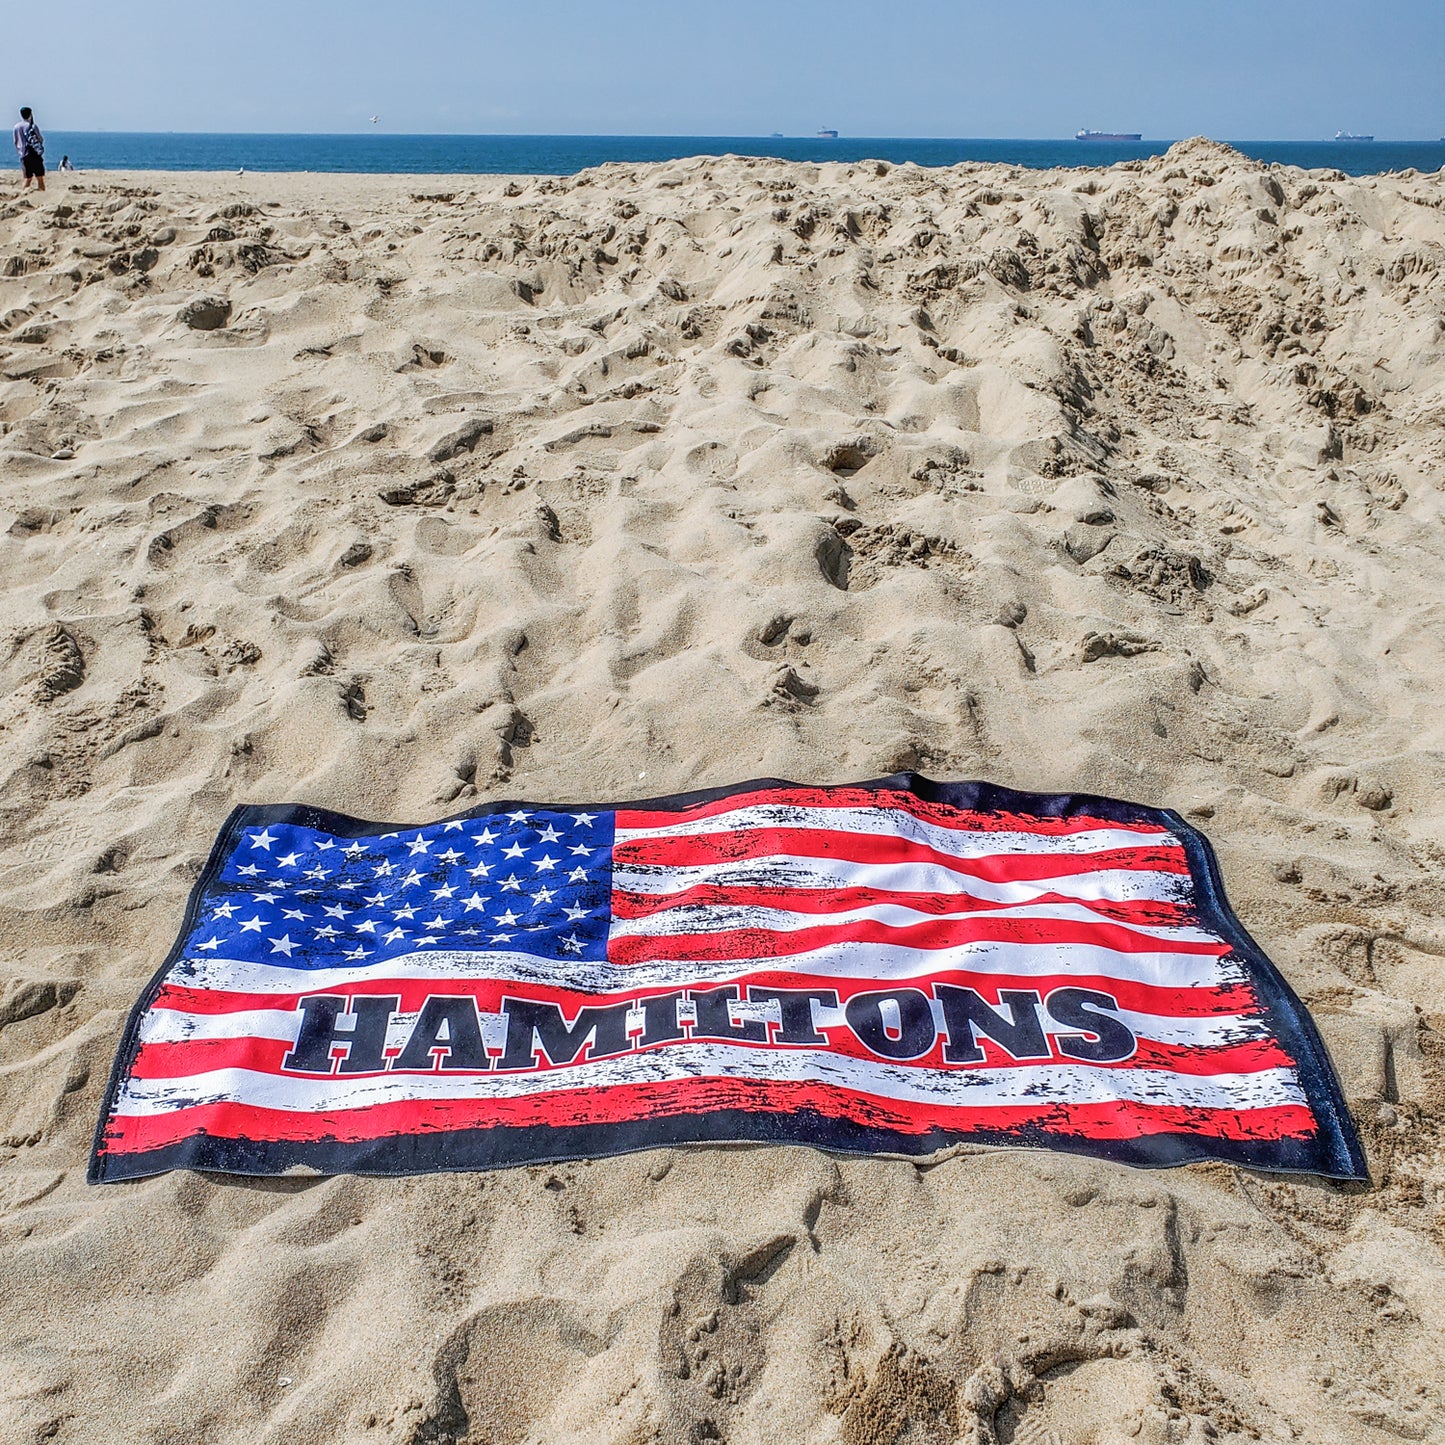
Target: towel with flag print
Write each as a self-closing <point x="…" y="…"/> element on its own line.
<point x="894" y="966"/>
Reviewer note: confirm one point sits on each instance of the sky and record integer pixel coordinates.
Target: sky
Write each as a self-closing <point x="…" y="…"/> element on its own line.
<point x="1231" y="69"/>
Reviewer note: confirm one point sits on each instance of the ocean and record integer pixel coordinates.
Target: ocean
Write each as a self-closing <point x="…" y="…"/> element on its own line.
<point x="565" y="154"/>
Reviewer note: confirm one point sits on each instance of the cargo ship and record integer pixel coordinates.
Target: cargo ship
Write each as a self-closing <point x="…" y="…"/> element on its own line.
<point x="1346" y="135"/>
<point x="1107" y="135"/>
<point x="826" y="133"/>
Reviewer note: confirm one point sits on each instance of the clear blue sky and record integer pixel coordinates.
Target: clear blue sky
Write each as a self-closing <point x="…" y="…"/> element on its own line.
<point x="1233" y="69"/>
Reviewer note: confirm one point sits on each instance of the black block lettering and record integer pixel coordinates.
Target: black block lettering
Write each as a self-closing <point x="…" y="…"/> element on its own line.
<point x="532" y="1024"/>
<point x="1075" y="1008"/>
<point x="659" y="1019"/>
<point x="966" y="1015"/>
<point x="917" y="1031"/>
<point x="796" y="1008"/>
<point x="447" y="1025"/>
<point x="715" y="1022"/>
<point x="325" y="1023"/>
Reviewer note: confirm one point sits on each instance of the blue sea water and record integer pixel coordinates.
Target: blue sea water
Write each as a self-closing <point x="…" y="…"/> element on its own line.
<point x="565" y="154"/>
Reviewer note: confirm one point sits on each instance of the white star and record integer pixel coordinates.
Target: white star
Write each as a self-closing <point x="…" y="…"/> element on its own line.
<point x="283" y="945"/>
<point x="518" y="817"/>
<point x="327" y="846"/>
<point x="475" y="902"/>
<point x="335" y="910"/>
<point x="265" y="897"/>
<point x="384" y="870"/>
<point x="419" y="845"/>
<point x="453" y="827"/>
<point x="468" y="932"/>
<point x="395" y="934"/>
<point x="424" y="940"/>
<point x="445" y="891"/>
<point x="248" y="870"/>
<point x="349" y="887"/>
<point x="515" y="851"/>
<point x="573" y="914"/>
<point x="542" y="895"/>
<point x="295" y="913"/>
<point x="368" y="927"/>
<point x="289" y="860"/>
<point x="224" y="910"/>
<point x="584" y="820"/>
<point x="409" y="912"/>
<point x="358" y="953"/>
<point x="252" y="925"/>
<point x="437" y="922"/>
<point x="318" y="873"/>
<point x="545" y="863"/>
<point x="450" y="856"/>
<point x="577" y="875"/>
<point x="512" y="884"/>
<point x="353" y="848"/>
<point x="579" y="851"/>
<point x="375" y="900"/>
<point x="572" y="943"/>
<point x="501" y="938"/>
<point x="411" y="879"/>
<point x="481" y="870"/>
<point x="548" y="835"/>
<point x="327" y="932"/>
<point x="484" y="837"/>
<point x="508" y="917"/>
<point x="210" y="944"/>
<point x="262" y="840"/>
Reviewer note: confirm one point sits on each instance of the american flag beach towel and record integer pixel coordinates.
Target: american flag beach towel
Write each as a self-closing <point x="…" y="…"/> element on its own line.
<point x="895" y="966"/>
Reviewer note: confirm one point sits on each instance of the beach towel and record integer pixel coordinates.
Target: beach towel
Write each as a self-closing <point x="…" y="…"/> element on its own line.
<point x="897" y="966"/>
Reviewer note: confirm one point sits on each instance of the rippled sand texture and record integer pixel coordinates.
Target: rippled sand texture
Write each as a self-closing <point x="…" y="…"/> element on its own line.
<point x="665" y="477"/>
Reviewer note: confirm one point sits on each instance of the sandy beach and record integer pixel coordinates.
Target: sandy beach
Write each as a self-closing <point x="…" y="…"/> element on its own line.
<point x="401" y="494"/>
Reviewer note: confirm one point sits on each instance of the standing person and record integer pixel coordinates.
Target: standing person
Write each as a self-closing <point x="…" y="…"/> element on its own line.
<point x="31" y="146"/>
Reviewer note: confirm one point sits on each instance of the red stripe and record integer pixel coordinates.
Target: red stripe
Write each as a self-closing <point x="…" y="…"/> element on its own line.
<point x="1195" y="1002"/>
<point x="736" y="944"/>
<point x="939" y="814"/>
<point x="753" y="844"/>
<point x="624" y="1103"/>
<point x="198" y="1056"/>
<point x="1140" y="913"/>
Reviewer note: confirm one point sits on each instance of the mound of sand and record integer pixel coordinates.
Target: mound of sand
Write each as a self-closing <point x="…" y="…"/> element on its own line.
<point x="394" y="494"/>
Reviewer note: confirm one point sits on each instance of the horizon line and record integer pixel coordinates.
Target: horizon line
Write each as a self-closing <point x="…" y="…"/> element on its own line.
<point x="724" y="135"/>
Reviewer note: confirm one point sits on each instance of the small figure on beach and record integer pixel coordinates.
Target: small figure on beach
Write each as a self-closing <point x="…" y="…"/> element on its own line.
<point x="30" y="145"/>
<point x="65" y="164"/>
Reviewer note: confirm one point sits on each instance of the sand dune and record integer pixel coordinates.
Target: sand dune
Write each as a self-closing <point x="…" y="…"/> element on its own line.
<point x="397" y="494"/>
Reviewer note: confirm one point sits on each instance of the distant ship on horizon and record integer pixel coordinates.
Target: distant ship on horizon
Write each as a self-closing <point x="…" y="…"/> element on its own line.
<point x="827" y="133"/>
<point x="1107" y="135"/>
<point x="1346" y="135"/>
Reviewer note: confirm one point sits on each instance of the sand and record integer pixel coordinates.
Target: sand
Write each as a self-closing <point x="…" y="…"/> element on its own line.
<point x="659" y="478"/>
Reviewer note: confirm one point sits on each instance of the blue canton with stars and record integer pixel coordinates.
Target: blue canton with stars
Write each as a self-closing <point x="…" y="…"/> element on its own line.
<point x="530" y="881"/>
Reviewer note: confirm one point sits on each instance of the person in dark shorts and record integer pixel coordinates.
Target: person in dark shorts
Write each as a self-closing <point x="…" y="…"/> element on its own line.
<point x="31" y="147"/>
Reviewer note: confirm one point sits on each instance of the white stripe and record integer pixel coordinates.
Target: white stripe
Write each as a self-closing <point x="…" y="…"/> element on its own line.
<point x="172" y="1026"/>
<point x="891" y="822"/>
<point x="1213" y="1031"/>
<point x="1038" y="1086"/>
<point x="838" y="960"/>
<point x="721" y="918"/>
<point x="781" y="870"/>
